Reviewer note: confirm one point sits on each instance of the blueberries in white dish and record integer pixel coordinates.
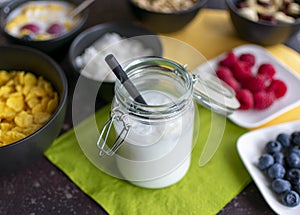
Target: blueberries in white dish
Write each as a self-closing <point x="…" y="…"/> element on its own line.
<point x="280" y="162"/>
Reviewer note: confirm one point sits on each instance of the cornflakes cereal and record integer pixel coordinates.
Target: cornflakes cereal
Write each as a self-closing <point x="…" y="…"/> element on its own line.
<point x="4" y="77"/>
<point x="27" y="102"/>
<point x="15" y="102"/>
<point x="23" y="119"/>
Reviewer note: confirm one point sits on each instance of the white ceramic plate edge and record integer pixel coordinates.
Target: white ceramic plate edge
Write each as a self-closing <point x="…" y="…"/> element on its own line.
<point x="266" y="119"/>
<point x="250" y="147"/>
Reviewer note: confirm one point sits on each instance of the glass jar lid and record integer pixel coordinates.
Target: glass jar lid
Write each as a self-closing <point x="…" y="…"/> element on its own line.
<point x="214" y="94"/>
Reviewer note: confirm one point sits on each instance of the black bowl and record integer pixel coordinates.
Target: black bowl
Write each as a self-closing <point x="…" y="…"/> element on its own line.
<point x="89" y="36"/>
<point x="166" y="22"/>
<point x="261" y="33"/>
<point x="22" y="153"/>
<point x="51" y="46"/>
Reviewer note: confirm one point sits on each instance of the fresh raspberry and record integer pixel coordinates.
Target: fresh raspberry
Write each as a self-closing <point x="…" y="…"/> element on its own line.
<point x="278" y="87"/>
<point x="228" y="60"/>
<point x="31" y="27"/>
<point x="234" y="84"/>
<point x="241" y="70"/>
<point x="56" y="29"/>
<point x="267" y="79"/>
<point x="248" y="58"/>
<point x="255" y="83"/>
<point x="263" y="99"/>
<point x="245" y="98"/>
<point x="224" y="73"/>
<point x="266" y="69"/>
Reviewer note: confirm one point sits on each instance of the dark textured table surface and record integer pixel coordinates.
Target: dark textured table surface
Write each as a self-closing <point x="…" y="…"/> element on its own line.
<point x="43" y="189"/>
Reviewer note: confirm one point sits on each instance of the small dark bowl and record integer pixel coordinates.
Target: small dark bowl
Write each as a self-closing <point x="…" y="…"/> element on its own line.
<point x="22" y="153"/>
<point x="89" y="36"/>
<point x="51" y="46"/>
<point x="261" y="33"/>
<point x="166" y="22"/>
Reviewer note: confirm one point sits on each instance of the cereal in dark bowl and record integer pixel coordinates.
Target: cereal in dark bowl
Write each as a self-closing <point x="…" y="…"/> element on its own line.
<point x="265" y="22"/>
<point x="166" y="15"/>
<point x="33" y="94"/>
<point x="41" y="24"/>
<point x="269" y="11"/>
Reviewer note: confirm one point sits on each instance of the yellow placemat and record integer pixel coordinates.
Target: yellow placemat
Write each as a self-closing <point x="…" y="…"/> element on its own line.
<point x="204" y="190"/>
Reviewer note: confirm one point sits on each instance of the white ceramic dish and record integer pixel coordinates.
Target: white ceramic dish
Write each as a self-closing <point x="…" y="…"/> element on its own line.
<point x="254" y="118"/>
<point x="250" y="147"/>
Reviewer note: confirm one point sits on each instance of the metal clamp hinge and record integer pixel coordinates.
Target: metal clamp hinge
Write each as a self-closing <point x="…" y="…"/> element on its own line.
<point x="103" y="138"/>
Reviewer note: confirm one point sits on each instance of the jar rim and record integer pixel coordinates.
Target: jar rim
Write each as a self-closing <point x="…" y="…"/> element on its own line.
<point x="134" y="67"/>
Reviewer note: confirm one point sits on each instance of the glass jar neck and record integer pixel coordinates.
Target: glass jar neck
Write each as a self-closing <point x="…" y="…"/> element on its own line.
<point x="165" y="85"/>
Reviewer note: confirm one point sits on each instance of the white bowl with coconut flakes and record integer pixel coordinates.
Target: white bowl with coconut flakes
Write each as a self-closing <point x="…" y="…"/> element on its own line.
<point x="125" y="41"/>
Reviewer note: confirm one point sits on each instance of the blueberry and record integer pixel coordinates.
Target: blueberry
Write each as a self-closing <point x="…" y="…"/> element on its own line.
<point x="280" y="185"/>
<point x="296" y="187"/>
<point x="293" y="160"/>
<point x="278" y="157"/>
<point x="295" y="149"/>
<point x="276" y="171"/>
<point x="273" y="146"/>
<point x="290" y="198"/>
<point x="265" y="161"/>
<point x="293" y="175"/>
<point x="284" y="139"/>
<point x="295" y="138"/>
<point x="27" y="37"/>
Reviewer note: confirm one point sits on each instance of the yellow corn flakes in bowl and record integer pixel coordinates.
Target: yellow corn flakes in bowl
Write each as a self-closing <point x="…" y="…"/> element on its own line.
<point x="27" y="102"/>
<point x="33" y="94"/>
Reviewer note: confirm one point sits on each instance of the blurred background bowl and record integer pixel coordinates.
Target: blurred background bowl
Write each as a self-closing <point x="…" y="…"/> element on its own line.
<point x="166" y="22"/>
<point x="87" y="38"/>
<point x="22" y="153"/>
<point x="49" y="46"/>
<point x="261" y="33"/>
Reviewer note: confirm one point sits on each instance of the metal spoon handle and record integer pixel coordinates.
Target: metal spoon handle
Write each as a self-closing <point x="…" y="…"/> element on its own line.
<point x="80" y="8"/>
<point x="122" y="76"/>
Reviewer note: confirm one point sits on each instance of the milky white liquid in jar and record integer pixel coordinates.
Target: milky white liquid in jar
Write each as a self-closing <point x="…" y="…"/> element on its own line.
<point x="157" y="149"/>
<point x="157" y="154"/>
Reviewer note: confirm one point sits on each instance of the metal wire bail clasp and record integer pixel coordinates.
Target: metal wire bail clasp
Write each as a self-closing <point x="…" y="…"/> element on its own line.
<point x="102" y="140"/>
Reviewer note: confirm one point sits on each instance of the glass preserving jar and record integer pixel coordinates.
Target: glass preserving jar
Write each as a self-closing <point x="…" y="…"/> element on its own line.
<point x="154" y="141"/>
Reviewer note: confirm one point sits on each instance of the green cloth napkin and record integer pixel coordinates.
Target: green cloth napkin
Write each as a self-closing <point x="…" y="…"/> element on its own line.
<point x="204" y="190"/>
